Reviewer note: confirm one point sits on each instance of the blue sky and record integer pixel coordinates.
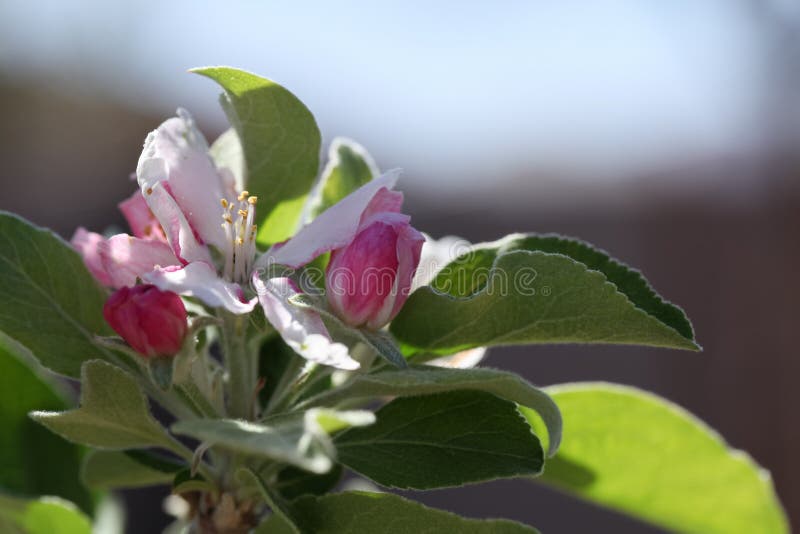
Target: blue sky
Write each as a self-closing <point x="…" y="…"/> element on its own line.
<point x="456" y="90"/>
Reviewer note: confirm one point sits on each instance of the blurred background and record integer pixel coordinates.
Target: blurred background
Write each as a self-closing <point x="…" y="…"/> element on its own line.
<point x="664" y="132"/>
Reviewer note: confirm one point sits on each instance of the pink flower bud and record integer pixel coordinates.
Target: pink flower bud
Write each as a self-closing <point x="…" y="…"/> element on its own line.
<point x="369" y="280"/>
<point x="151" y="321"/>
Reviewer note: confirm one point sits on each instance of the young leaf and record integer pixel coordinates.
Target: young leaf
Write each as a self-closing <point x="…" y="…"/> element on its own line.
<point x="425" y="380"/>
<point x="34" y="461"/>
<point x="349" y="167"/>
<point x="127" y="469"/>
<point x="442" y="440"/>
<point x="530" y="297"/>
<point x="113" y="413"/>
<point x="640" y="454"/>
<point x="281" y="143"/>
<point x="299" y="439"/>
<point x="46" y="515"/>
<point x="380" y="513"/>
<point x="49" y="302"/>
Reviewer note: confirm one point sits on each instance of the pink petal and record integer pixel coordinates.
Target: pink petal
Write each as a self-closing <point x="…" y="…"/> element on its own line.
<point x="88" y="244"/>
<point x="384" y="201"/>
<point x="126" y="258"/>
<point x="178" y="231"/>
<point x="301" y="329"/>
<point x="199" y="279"/>
<point x="177" y="154"/>
<point x="140" y="219"/>
<point x="332" y="229"/>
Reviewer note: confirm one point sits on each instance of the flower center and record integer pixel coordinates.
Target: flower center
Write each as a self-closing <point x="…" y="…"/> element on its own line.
<point x="240" y="236"/>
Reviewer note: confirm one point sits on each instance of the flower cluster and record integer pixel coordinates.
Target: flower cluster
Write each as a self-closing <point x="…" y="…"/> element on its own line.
<point x="194" y="234"/>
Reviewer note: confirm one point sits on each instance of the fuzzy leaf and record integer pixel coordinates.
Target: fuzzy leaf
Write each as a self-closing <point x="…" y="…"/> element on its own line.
<point x="355" y="512"/>
<point x="529" y="297"/>
<point x="425" y="380"/>
<point x="298" y="439"/>
<point x="281" y="143"/>
<point x="49" y="303"/>
<point x="442" y="440"/>
<point x="113" y="412"/>
<point x="127" y="469"/>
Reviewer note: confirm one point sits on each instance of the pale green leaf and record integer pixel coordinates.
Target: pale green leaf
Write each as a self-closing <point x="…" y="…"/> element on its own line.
<point x="113" y="412"/>
<point x="45" y="515"/>
<point x="281" y="143"/>
<point x="424" y="380"/>
<point x="442" y="440"/>
<point x="349" y="167"/>
<point x="381" y="513"/>
<point x="103" y="469"/>
<point x="49" y="302"/>
<point x="640" y="454"/>
<point x="530" y="297"/>
<point x="299" y="439"/>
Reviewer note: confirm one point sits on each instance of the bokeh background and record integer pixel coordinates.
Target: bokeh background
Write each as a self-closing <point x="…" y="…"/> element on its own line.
<point x="664" y="132"/>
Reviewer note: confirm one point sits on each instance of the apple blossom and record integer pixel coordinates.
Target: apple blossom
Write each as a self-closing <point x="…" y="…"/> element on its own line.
<point x="369" y="279"/>
<point x="151" y="321"/>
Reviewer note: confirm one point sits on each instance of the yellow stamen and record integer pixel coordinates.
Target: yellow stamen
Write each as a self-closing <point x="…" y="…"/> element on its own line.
<point x="252" y="200"/>
<point x="243" y="195"/>
<point x="223" y="202"/>
<point x="149" y="191"/>
<point x="243" y="213"/>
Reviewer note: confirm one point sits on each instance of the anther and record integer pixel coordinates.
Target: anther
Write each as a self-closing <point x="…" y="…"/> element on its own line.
<point x="223" y="202"/>
<point x="252" y="200"/>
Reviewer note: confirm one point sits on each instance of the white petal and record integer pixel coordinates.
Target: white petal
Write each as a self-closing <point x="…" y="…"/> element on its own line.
<point x="301" y="329"/>
<point x="176" y="154"/>
<point x="199" y="279"/>
<point x="333" y="228"/>
<point x="177" y="229"/>
<point x="465" y="359"/>
<point x="436" y="254"/>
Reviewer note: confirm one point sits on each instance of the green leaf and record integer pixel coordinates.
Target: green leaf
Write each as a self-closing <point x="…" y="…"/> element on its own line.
<point x="425" y="380"/>
<point x="46" y="515"/>
<point x="381" y="513"/>
<point x="127" y="469"/>
<point x="34" y="461"/>
<point x="640" y="454"/>
<point x="281" y="143"/>
<point x="456" y="279"/>
<point x="293" y="482"/>
<point x="349" y="167"/>
<point x="299" y="439"/>
<point x="49" y="302"/>
<point x="442" y="440"/>
<point x="528" y="297"/>
<point x="113" y="413"/>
